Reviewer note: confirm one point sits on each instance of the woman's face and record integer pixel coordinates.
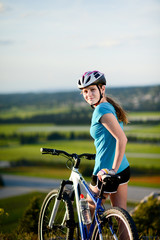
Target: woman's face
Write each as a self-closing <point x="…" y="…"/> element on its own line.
<point x="91" y="94"/>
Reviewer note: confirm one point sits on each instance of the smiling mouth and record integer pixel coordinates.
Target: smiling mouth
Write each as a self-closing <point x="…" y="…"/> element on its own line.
<point x="90" y="99"/>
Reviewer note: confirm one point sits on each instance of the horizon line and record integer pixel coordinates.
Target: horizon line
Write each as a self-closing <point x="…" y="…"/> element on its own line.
<point x="72" y="90"/>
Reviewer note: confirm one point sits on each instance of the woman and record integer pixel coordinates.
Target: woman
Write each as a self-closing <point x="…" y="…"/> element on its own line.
<point x="110" y="140"/>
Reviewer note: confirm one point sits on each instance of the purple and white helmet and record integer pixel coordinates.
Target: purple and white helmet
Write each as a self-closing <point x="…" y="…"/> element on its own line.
<point x="91" y="78"/>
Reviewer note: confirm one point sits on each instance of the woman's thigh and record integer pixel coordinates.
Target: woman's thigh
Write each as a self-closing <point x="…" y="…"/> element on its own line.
<point x="95" y="191"/>
<point x="119" y="199"/>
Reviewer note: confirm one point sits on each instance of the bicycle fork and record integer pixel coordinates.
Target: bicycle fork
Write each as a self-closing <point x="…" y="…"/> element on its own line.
<point x="56" y="204"/>
<point x="54" y="212"/>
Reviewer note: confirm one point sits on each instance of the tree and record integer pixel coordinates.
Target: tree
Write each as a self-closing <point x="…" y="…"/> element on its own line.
<point x="147" y="216"/>
<point x="29" y="221"/>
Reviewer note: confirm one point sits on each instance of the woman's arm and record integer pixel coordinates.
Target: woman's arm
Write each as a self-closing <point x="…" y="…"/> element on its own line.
<point x="110" y="122"/>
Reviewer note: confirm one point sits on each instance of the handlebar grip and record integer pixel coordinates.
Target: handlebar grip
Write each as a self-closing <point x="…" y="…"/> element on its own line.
<point x="105" y="177"/>
<point x="49" y="151"/>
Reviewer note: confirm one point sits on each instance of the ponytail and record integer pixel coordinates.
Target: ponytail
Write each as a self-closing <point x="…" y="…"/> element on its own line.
<point x="121" y="114"/>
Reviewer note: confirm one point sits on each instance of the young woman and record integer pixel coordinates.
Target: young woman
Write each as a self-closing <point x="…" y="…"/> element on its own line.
<point x="110" y="140"/>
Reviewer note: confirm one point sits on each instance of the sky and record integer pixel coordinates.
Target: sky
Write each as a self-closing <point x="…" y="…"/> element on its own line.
<point x="48" y="45"/>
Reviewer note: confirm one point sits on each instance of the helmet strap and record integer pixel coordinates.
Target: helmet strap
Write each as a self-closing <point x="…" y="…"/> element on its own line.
<point x="100" y="97"/>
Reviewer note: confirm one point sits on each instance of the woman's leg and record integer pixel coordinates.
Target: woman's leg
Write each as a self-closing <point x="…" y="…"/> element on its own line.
<point x="119" y="199"/>
<point x="90" y="202"/>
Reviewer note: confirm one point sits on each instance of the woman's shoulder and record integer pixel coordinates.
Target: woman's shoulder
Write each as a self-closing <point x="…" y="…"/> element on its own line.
<point x="105" y="107"/>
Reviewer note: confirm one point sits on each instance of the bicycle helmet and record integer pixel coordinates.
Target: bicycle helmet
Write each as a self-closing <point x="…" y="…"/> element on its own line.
<point x="91" y="78"/>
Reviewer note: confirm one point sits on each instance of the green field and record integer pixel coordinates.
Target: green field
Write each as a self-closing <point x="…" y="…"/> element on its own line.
<point x="145" y="131"/>
<point x="29" y="111"/>
<point x="144" y="115"/>
<point x="32" y="152"/>
<point x="8" y="129"/>
<point x="145" y="157"/>
<point x="51" y="164"/>
<point x="14" y="208"/>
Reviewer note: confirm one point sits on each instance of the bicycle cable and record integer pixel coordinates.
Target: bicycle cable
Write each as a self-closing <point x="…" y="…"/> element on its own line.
<point x="70" y="164"/>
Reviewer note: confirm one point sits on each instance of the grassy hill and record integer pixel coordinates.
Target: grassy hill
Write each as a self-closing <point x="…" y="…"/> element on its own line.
<point x="132" y="98"/>
<point x="70" y="107"/>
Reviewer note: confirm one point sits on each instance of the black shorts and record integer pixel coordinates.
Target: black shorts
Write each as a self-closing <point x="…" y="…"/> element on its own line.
<point x="124" y="178"/>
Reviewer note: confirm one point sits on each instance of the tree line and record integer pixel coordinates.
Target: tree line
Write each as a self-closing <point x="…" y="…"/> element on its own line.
<point x="54" y="136"/>
<point x="131" y="98"/>
<point x="79" y="116"/>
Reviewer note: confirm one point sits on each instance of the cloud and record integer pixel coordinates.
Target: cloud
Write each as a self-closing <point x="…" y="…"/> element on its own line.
<point x="2" y="9"/>
<point x="35" y="14"/>
<point x="104" y="44"/>
<point x="124" y="40"/>
<point x="6" y="42"/>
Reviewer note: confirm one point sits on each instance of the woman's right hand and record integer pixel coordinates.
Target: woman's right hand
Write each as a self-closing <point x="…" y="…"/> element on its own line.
<point x="105" y="171"/>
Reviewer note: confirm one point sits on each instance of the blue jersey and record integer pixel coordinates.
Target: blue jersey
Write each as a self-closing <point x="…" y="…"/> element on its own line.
<point x="104" y="142"/>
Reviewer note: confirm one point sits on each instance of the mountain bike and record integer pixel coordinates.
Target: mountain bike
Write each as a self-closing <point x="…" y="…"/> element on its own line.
<point x="61" y="217"/>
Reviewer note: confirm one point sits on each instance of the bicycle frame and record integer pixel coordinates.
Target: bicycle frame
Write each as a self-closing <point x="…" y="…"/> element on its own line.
<point x="75" y="179"/>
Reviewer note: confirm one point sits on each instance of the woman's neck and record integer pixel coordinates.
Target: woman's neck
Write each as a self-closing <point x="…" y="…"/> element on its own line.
<point x="102" y="101"/>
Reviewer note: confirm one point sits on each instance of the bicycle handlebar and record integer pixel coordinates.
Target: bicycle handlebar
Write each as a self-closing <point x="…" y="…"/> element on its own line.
<point x="77" y="158"/>
<point x="88" y="156"/>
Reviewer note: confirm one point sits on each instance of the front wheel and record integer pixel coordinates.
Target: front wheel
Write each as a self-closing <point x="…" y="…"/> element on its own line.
<point x="63" y="226"/>
<point x="117" y="224"/>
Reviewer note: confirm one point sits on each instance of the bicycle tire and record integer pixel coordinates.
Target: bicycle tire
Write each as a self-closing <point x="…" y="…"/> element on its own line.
<point x="121" y="223"/>
<point x="58" y="231"/>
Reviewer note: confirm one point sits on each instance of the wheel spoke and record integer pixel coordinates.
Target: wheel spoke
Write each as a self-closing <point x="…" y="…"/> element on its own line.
<point x="116" y="225"/>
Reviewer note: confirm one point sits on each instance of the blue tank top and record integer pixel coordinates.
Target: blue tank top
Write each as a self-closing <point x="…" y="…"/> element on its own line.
<point x="104" y="142"/>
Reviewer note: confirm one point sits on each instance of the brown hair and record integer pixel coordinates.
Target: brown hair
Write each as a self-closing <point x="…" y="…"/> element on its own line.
<point x="121" y="113"/>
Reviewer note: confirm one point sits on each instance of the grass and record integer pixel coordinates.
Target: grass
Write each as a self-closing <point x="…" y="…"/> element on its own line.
<point x="32" y="151"/>
<point x="142" y="148"/>
<point x="144" y="114"/>
<point x="64" y="173"/>
<point x="145" y="181"/>
<point x="9" y="129"/>
<point x="144" y="162"/>
<point x="30" y="111"/>
<point x="145" y="156"/>
<point x="47" y="172"/>
<point x="140" y="155"/>
<point x="143" y="130"/>
<point x="15" y="207"/>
